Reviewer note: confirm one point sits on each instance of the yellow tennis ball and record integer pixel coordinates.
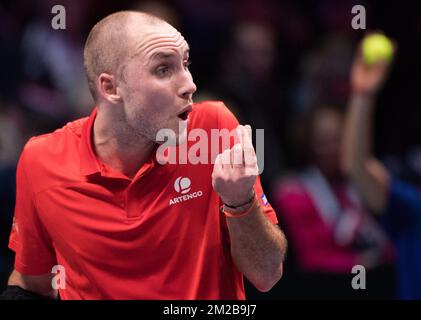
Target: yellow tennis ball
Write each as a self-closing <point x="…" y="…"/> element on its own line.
<point x="377" y="47"/>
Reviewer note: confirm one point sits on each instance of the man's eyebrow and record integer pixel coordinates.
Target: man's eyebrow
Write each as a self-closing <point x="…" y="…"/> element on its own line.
<point x="167" y="54"/>
<point x="163" y="55"/>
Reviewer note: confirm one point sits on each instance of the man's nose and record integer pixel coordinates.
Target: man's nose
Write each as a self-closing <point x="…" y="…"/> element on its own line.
<point x="188" y="87"/>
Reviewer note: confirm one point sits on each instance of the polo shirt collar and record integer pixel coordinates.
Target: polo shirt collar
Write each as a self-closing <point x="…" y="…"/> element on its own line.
<point x="89" y="163"/>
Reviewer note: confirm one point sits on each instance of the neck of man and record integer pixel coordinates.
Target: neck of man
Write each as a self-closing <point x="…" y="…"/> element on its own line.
<point x="119" y="147"/>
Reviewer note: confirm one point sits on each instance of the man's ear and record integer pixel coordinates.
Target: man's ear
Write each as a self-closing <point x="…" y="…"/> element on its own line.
<point x="107" y="88"/>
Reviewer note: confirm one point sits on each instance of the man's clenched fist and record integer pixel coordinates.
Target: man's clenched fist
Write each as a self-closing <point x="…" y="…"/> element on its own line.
<point x="235" y="170"/>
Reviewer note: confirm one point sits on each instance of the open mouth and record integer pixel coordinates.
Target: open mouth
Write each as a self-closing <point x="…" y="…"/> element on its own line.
<point x="185" y="113"/>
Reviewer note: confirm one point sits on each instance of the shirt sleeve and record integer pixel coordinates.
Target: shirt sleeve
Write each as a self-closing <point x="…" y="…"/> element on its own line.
<point x="403" y="209"/>
<point x="226" y="119"/>
<point x="28" y="238"/>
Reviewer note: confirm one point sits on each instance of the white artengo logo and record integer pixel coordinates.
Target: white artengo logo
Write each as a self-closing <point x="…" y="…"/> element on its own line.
<point x="182" y="185"/>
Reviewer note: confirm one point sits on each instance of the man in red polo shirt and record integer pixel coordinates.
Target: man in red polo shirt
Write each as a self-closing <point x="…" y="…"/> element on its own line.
<point x="93" y="197"/>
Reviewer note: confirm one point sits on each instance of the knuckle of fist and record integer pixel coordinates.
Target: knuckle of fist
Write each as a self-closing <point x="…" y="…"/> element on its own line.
<point x="252" y="162"/>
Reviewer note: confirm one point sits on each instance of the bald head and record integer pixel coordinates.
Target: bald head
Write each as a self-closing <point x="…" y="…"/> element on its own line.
<point x="110" y="43"/>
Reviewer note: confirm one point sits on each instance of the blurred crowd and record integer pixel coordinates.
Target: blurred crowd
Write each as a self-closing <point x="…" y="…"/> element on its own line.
<point x="282" y="66"/>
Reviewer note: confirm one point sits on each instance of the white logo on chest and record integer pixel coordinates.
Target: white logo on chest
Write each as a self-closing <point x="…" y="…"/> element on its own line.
<point x="183" y="185"/>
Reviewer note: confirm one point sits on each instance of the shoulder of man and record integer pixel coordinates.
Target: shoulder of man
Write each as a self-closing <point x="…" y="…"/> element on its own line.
<point x="53" y="142"/>
<point x="44" y="155"/>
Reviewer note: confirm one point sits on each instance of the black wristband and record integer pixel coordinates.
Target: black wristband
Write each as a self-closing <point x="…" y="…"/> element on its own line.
<point x="242" y="205"/>
<point x="17" y="293"/>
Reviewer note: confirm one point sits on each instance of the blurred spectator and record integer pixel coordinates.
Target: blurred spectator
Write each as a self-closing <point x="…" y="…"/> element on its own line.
<point x="397" y="202"/>
<point x="329" y="229"/>
<point x="55" y="84"/>
<point x="249" y="80"/>
<point x="323" y="72"/>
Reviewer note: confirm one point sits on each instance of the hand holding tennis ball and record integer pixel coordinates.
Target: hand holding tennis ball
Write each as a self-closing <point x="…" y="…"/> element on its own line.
<point x="371" y="64"/>
<point x="377" y="47"/>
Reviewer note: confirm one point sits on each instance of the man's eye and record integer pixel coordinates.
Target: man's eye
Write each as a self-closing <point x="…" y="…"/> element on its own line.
<point x="187" y="63"/>
<point x="162" y="70"/>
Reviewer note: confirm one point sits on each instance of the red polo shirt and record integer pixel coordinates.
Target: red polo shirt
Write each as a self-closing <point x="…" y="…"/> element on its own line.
<point x="159" y="235"/>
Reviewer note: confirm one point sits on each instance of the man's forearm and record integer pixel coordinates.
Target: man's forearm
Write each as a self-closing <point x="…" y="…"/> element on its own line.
<point x="258" y="248"/>
<point x="18" y="293"/>
<point x="40" y="284"/>
<point x="358" y="136"/>
<point x="368" y="174"/>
